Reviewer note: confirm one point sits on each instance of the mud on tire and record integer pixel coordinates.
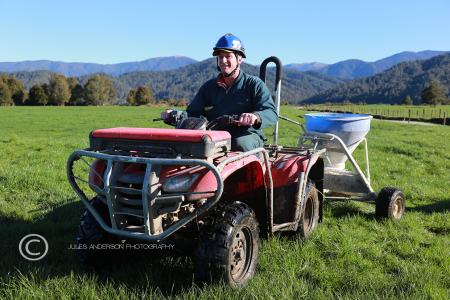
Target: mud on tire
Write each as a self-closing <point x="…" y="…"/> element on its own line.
<point x="228" y="247"/>
<point x="309" y="212"/>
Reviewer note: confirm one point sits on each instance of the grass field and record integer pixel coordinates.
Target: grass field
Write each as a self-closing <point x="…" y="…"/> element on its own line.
<point x="350" y="256"/>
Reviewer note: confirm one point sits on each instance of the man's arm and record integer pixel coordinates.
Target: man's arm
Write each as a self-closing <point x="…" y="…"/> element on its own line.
<point x="196" y="107"/>
<point x="265" y="109"/>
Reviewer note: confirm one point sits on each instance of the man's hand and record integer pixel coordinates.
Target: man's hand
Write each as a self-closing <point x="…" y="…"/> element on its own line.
<point x="248" y="119"/>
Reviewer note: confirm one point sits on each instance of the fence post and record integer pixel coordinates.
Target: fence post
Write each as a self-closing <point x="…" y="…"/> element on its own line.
<point x="445" y="118"/>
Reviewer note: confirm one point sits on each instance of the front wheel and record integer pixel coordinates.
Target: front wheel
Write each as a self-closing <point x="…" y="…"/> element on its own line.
<point x="91" y="237"/>
<point x="229" y="245"/>
<point x="390" y="203"/>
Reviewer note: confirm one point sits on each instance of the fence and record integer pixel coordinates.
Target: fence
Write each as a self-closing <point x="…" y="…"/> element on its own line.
<point x="420" y="114"/>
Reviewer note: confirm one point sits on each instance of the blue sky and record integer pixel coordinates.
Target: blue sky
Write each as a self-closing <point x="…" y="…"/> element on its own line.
<point x="113" y="31"/>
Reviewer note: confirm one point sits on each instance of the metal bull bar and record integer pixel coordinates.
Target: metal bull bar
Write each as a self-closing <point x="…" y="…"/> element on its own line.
<point x="147" y="198"/>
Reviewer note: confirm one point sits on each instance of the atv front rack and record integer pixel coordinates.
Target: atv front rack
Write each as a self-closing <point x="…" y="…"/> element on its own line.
<point x="149" y="192"/>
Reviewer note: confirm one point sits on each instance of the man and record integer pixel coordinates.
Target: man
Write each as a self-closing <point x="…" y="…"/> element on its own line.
<point x="234" y="92"/>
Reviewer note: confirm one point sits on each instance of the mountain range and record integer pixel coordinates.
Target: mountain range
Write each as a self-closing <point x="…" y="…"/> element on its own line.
<point x="184" y="82"/>
<point x="355" y="68"/>
<point x="347" y="69"/>
<point x="79" y="69"/>
<point x="388" y="86"/>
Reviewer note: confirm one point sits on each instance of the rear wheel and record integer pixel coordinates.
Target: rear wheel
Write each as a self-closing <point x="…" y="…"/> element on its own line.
<point x="390" y="203"/>
<point x="229" y="245"/>
<point x="309" y="211"/>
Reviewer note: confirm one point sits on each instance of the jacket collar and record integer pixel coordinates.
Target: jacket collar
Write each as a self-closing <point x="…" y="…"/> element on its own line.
<point x="221" y="81"/>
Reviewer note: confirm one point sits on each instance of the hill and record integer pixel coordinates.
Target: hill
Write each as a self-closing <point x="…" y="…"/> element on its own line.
<point x="392" y="85"/>
<point x="184" y="82"/>
<point x="355" y="68"/>
<point x="80" y="69"/>
<point x="303" y="67"/>
<point x="31" y="78"/>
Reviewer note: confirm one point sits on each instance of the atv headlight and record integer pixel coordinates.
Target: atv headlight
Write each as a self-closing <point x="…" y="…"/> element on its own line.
<point x="179" y="183"/>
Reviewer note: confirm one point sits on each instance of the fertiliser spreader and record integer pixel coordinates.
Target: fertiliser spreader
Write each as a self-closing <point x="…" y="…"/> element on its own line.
<point x="340" y="134"/>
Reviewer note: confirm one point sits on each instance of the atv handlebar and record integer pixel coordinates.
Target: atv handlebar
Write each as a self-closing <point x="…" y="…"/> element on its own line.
<point x="221" y="123"/>
<point x="224" y="122"/>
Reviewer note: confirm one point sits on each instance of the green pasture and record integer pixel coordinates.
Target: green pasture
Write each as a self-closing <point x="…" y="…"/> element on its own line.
<point x="350" y="256"/>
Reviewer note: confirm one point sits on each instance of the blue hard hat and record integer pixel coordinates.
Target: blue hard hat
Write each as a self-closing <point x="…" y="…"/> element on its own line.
<point x="231" y="43"/>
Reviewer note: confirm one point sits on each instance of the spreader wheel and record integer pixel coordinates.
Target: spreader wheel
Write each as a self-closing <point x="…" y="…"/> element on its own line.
<point x="228" y="249"/>
<point x="390" y="203"/>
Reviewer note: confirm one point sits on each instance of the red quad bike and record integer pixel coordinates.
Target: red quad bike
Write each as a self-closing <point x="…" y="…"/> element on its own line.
<point x="186" y="187"/>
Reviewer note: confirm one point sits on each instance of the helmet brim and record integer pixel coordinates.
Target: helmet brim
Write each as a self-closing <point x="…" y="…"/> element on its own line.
<point x="217" y="50"/>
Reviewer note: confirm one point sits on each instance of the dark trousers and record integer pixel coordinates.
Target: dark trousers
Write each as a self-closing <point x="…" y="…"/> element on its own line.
<point x="246" y="142"/>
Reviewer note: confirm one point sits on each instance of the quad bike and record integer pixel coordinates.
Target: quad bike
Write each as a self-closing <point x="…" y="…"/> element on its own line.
<point x="187" y="187"/>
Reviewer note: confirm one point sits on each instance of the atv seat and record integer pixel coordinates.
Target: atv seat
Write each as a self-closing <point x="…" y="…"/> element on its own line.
<point x="190" y="143"/>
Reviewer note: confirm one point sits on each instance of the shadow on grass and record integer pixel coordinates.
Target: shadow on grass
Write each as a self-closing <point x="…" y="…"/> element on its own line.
<point x="437" y="205"/>
<point x="149" y="270"/>
<point x="343" y="209"/>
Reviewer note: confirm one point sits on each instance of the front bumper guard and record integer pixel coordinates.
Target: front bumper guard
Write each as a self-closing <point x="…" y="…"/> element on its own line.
<point x="148" y="197"/>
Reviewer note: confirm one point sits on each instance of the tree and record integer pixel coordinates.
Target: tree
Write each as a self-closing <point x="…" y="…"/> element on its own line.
<point x="77" y="95"/>
<point x="37" y="95"/>
<point x="408" y="100"/>
<point x="144" y="96"/>
<point x="434" y="94"/>
<point x="99" y="90"/>
<point x="131" y="97"/>
<point x="16" y="88"/>
<point x="72" y="82"/>
<point x="58" y="90"/>
<point x="5" y="95"/>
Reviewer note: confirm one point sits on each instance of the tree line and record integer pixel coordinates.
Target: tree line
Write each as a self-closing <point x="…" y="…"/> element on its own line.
<point x="61" y="90"/>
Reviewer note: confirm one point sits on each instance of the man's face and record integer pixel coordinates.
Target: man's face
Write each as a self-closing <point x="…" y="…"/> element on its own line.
<point x="228" y="61"/>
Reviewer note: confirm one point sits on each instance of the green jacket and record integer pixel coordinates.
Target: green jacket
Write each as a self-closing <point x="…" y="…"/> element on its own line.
<point x="247" y="94"/>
